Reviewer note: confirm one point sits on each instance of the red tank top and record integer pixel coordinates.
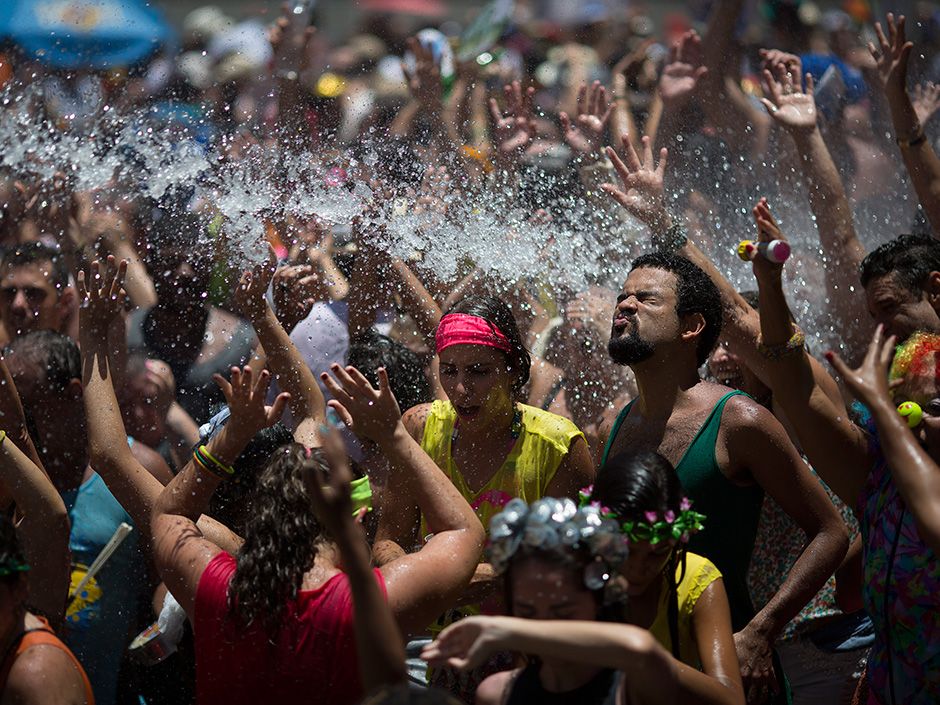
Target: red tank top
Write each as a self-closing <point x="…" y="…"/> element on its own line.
<point x="311" y="659"/>
<point x="37" y="637"/>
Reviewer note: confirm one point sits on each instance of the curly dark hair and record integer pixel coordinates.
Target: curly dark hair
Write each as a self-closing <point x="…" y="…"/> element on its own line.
<point x="631" y="484"/>
<point x="282" y="538"/>
<point x="695" y="293"/>
<point x="909" y="258"/>
<point x="497" y="313"/>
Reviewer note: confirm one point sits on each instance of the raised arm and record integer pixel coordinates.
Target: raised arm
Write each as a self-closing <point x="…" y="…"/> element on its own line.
<point x="44" y="527"/>
<point x="892" y="57"/>
<point x="651" y="674"/>
<point x="795" y="111"/>
<point x="915" y="473"/>
<point x="807" y="394"/>
<point x="282" y="357"/>
<point x="378" y="642"/>
<point x="131" y="483"/>
<point x="181" y="550"/>
<point x="423" y="584"/>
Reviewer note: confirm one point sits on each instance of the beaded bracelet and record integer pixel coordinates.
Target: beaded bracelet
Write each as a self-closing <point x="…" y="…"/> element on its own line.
<point x="209" y="462"/>
<point x="793" y="346"/>
<point x="673" y="239"/>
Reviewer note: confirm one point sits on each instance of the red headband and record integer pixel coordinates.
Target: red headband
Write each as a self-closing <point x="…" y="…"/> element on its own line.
<point x="464" y="329"/>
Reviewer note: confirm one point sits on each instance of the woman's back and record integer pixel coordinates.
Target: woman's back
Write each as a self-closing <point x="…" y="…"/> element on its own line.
<point x="311" y="659"/>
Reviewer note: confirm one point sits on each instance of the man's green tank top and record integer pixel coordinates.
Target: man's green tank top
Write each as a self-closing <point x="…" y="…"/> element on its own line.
<point x="731" y="511"/>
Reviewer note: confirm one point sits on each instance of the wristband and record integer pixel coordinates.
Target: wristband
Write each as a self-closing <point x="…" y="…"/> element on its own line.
<point x="793" y="346"/>
<point x="3" y="437"/>
<point x="209" y="462"/>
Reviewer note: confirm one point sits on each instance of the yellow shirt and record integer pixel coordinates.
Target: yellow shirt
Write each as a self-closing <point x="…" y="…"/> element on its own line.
<point x="527" y="470"/>
<point x="699" y="574"/>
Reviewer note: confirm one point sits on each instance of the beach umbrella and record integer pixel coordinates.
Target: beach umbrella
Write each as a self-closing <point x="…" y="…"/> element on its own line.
<point x="73" y="34"/>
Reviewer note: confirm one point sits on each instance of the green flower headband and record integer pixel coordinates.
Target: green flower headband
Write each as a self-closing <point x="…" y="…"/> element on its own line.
<point x="657" y="528"/>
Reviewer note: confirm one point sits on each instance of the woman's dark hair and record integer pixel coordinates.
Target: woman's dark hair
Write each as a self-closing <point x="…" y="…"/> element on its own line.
<point x="371" y="350"/>
<point x="497" y="313"/>
<point x="631" y="484"/>
<point x="11" y="554"/>
<point x="282" y="537"/>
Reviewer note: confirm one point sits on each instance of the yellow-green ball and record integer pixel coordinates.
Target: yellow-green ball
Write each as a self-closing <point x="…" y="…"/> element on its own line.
<point x="912" y="412"/>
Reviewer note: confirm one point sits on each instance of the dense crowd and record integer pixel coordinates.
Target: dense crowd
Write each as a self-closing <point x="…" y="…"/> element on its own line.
<point x="585" y="362"/>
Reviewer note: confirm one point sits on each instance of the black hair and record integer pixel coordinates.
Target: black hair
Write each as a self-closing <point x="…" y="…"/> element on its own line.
<point x="371" y="350"/>
<point x="695" y="293"/>
<point x="404" y="694"/>
<point x="910" y="258"/>
<point x="232" y="502"/>
<point x="51" y="353"/>
<point x="498" y="314"/>
<point x="282" y="538"/>
<point x="11" y="554"/>
<point x="631" y="484"/>
<point x="31" y="252"/>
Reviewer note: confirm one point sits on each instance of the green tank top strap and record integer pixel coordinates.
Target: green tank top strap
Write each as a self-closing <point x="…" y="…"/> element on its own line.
<point x="621" y="417"/>
<point x="704" y="442"/>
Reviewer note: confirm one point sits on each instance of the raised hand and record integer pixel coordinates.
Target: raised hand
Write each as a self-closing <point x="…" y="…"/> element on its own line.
<point x="892" y="56"/>
<point x="368" y="412"/>
<point x="767" y="230"/>
<point x="296" y="289"/>
<point x="424" y="82"/>
<point x="102" y="299"/>
<point x="641" y="191"/>
<point x="869" y="382"/>
<point x="788" y="105"/>
<point x="245" y="400"/>
<point x="513" y="129"/>
<point x="926" y="100"/>
<point x="682" y="71"/>
<point x="586" y="134"/>
<point x="467" y="644"/>
<point x="252" y="288"/>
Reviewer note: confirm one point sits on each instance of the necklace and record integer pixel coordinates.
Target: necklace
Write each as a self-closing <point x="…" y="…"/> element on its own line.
<point x="515" y="429"/>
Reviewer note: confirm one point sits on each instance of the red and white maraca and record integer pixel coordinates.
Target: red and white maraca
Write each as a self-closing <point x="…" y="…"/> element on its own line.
<point x="777" y="251"/>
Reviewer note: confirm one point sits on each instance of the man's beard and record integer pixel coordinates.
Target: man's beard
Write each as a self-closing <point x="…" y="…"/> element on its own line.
<point x="629" y="348"/>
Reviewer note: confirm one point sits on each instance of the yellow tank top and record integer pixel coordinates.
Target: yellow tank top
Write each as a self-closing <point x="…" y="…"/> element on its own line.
<point x="699" y="574"/>
<point x="527" y="470"/>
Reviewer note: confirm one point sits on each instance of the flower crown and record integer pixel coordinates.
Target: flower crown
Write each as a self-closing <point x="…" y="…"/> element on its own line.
<point x="656" y="527"/>
<point x="549" y="524"/>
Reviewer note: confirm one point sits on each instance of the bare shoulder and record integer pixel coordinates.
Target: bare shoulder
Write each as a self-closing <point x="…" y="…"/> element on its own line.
<point x="415" y="418"/>
<point x="44" y="674"/>
<point x="495" y="689"/>
<point x="742" y="412"/>
<point x="152" y="461"/>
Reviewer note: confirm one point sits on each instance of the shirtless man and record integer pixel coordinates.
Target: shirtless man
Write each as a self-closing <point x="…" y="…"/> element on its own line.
<point x="727" y="449"/>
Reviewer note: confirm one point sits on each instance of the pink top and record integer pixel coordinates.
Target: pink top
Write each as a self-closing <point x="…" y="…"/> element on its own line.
<point x="312" y="659"/>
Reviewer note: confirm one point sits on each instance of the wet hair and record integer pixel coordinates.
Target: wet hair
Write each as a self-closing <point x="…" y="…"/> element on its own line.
<point x="282" y="537"/>
<point x="695" y="293"/>
<point x="631" y="484"/>
<point x="909" y="258"/>
<point x="11" y="554"/>
<point x="32" y="252"/>
<point x="49" y="353"/>
<point x="232" y="503"/>
<point x="497" y="313"/>
<point x="371" y="350"/>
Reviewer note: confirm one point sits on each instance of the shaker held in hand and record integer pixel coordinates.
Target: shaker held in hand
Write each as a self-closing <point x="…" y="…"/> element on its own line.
<point x="777" y="251"/>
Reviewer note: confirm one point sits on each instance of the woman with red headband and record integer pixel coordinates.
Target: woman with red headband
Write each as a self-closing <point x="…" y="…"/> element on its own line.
<point x="491" y="446"/>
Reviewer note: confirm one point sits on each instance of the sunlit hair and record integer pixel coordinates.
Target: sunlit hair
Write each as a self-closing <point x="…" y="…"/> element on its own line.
<point x="282" y="537"/>
<point x="918" y="355"/>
